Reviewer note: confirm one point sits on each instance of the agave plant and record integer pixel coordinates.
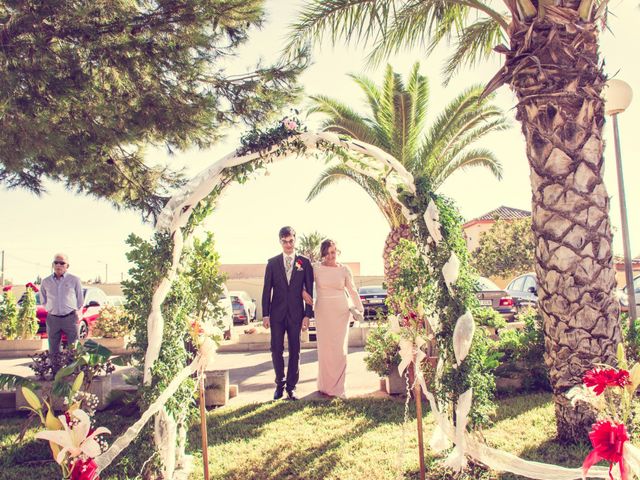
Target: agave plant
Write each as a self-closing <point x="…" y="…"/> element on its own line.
<point x="397" y="123"/>
<point x="552" y="64"/>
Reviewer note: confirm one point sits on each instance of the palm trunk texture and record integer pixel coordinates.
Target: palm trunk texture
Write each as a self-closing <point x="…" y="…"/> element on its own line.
<point x="553" y="67"/>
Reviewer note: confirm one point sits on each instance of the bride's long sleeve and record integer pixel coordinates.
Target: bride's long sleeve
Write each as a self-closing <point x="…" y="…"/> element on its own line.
<point x="351" y="289"/>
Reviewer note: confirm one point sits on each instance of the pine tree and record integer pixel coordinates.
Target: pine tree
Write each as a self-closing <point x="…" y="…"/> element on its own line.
<point x="85" y="86"/>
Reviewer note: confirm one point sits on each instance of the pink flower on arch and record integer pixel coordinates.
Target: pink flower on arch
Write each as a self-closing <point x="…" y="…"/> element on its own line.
<point x="290" y="124"/>
<point x="7" y="288"/>
<point x="32" y="286"/>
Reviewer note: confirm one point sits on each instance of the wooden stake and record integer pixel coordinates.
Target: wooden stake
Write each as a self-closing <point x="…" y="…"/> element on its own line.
<point x="417" y="393"/>
<point x="203" y="429"/>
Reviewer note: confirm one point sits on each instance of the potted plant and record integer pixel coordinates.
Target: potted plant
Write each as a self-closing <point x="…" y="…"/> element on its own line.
<point x="18" y="324"/>
<point x="112" y="328"/>
<point x="383" y="357"/>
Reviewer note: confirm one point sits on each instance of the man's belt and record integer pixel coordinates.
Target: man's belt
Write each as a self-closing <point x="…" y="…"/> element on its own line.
<point x="62" y="316"/>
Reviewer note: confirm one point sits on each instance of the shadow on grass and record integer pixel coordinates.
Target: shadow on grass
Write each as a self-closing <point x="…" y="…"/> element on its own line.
<point x="515" y="405"/>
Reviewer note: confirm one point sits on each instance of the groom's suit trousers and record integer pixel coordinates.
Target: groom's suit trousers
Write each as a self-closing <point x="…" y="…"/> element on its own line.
<point x="278" y="330"/>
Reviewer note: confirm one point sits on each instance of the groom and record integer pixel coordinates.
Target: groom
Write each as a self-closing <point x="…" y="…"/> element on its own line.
<point x="283" y="309"/>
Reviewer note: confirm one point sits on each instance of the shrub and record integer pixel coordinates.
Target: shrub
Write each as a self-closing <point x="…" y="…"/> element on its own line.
<point x="523" y="352"/>
<point x="383" y="350"/>
<point x="8" y="315"/>
<point x="112" y="322"/>
<point x="27" y="320"/>
<point x="488" y="317"/>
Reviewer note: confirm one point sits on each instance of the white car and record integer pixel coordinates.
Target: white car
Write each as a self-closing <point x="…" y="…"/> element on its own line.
<point x="244" y="307"/>
<point x="227" y="317"/>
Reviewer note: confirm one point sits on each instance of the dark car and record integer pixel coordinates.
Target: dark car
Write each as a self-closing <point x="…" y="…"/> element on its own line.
<point x="624" y="299"/>
<point x="491" y="295"/>
<point x="524" y="290"/>
<point x="373" y="300"/>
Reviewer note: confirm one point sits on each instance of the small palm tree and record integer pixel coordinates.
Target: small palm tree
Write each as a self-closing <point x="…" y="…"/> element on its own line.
<point x="309" y="245"/>
<point x="396" y="123"/>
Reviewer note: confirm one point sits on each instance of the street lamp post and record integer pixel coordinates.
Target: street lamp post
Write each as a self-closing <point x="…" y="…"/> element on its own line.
<point x="618" y="95"/>
<point x="106" y="271"/>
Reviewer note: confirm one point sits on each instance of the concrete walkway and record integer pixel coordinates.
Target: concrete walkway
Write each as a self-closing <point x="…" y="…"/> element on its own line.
<point x="253" y="373"/>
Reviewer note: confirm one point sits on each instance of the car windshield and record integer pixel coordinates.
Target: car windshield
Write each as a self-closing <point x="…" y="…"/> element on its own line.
<point x="484" y="284"/>
<point x="372" y="291"/>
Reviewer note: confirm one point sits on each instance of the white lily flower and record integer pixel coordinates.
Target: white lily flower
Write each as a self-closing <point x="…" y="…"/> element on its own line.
<point x="75" y="440"/>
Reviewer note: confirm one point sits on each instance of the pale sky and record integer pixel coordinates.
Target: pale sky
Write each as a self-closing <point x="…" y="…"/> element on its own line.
<point x="249" y="216"/>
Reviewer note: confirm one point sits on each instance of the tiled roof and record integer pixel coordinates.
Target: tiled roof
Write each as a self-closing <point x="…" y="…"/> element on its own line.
<point x="504" y="213"/>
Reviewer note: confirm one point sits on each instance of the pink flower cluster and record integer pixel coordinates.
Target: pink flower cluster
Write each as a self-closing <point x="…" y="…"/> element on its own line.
<point x="290" y="124"/>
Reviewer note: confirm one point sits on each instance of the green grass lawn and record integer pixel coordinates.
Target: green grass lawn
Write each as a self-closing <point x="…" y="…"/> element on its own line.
<point x="313" y="440"/>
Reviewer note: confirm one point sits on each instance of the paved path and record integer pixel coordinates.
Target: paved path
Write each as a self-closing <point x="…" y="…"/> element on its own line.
<point x="253" y="373"/>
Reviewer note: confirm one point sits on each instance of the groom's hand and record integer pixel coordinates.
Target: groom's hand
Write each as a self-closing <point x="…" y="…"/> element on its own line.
<point x="265" y="322"/>
<point x="305" y="324"/>
<point x="308" y="299"/>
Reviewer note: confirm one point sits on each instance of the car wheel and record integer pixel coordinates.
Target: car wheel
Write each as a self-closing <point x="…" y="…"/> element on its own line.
<point x="83" y="330"/>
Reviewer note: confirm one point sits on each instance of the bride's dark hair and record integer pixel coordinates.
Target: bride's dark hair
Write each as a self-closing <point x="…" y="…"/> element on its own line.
<point x="325" y="245"/>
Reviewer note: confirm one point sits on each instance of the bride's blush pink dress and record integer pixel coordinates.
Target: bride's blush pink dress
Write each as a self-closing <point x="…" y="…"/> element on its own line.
<point x="332" y="317"/>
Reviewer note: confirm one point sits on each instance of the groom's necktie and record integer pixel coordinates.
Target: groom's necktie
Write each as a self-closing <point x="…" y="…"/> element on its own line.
<point x="288" y="263"/>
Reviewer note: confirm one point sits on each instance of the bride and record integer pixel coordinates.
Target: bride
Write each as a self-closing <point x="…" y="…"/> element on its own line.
<point x="332" y="314"/>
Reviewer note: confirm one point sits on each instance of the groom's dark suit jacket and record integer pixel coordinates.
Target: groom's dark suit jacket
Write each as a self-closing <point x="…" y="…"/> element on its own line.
<point x="287" y="297"/>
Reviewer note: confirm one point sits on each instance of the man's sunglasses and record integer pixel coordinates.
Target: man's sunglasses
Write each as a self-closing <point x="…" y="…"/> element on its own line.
<point x="59" y="263"/>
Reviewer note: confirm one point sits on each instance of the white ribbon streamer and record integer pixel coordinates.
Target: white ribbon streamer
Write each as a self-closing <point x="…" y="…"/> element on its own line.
<point x="463" y="336"/>
<point x="457" y="459"/>
<point x="451" y="270"/>
<point x="432" y="219"/>
<point x="198" y="364"/>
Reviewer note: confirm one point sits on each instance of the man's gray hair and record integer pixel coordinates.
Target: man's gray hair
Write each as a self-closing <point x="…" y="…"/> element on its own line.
<point x="62" y="255"/>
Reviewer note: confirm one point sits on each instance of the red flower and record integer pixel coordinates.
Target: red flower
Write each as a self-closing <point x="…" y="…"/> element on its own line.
<point x="32" y="287"/>
<point x="600" y="379"/>
<point x="608" y="444"/>
<point x="7" y="288"/>
<point x="84" y="470"/>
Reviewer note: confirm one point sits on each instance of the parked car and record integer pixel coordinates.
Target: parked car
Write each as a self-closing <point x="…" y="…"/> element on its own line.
<point x="244" y="307"/>
<point x="227" y="317"/>
<point x="492" y="296"/>
<point x="116" y="300"/>
<point x="624" y="299"/>
<point x="373" y="300"/>
<point x="94" y="299"/>
<point x="524" y="290"/>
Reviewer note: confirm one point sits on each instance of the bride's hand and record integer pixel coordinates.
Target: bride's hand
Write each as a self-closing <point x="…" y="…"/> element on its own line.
<point x="308" y="299"/>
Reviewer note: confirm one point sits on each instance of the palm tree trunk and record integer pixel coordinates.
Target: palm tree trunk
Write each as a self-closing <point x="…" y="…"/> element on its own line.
<point x="390" y="270"/>
<point x="557" y="77"/>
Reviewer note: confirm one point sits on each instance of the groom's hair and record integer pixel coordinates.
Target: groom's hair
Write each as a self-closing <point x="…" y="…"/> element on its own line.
<point x="286" y="231"/>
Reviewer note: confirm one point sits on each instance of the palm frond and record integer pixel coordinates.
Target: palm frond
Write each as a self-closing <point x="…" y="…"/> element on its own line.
<point x="9" y="381"/>
<point x="413" y="25"/>
<point x="351" y="20"/>
<point x="418" y="88"/>
<point x="343" y="119"/>
<point x="471" y="158"/>
<point x="372" y="187"/>
<point x="475" y="43"/>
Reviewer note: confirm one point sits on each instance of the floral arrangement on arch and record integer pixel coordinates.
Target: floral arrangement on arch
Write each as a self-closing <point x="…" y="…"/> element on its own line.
<point x="611" y="391"/>
<point x="258" y="140"/>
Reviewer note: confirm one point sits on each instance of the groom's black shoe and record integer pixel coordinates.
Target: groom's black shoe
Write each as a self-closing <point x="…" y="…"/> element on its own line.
<point x="277" y="395"/>
<point x="291" y="395"/>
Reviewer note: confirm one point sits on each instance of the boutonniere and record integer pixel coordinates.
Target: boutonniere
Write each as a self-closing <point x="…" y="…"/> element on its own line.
<point x="299" y="265"/>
